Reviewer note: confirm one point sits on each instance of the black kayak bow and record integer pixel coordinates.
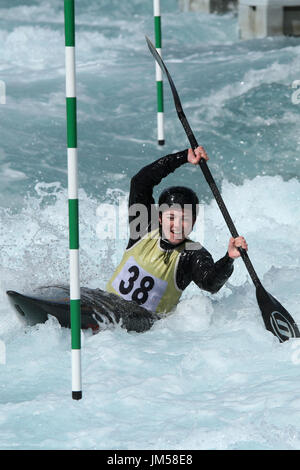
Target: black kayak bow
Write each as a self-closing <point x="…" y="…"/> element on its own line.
<point x="276" y="318"/>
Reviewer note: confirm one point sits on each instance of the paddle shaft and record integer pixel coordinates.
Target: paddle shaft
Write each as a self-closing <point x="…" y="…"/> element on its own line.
<point x="210" y="180"/>
<point x="203" y="165"/>
<point x="275" y="316"/>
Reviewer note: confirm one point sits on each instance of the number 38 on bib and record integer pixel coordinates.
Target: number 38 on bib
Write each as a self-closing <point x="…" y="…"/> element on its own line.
<point x="146" y="276"/>
<point x="135" y="283"/>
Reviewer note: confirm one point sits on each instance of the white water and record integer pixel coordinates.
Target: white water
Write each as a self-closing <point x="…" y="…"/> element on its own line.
<point x="209" y="376"/>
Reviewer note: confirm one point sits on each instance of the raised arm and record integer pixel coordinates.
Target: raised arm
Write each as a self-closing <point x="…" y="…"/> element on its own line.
<point x="141" y="189"/>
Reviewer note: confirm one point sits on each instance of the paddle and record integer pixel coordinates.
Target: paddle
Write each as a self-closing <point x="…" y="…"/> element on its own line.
<point x="275" y="316"/>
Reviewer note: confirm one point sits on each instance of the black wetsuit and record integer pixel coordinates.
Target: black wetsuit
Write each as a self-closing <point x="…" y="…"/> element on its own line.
<point x="194" y="265"/>
<point x="100" y="308"/>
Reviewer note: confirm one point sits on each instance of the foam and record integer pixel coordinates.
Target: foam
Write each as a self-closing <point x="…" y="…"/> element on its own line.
<point x="209" y="376"/>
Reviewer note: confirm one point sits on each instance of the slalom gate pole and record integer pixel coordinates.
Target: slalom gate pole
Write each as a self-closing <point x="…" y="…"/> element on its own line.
<point x="159" y="75"/>
<point x="71" y="112"/>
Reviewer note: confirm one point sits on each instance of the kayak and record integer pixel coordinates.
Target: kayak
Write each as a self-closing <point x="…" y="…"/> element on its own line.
<point x="99" y="309"/>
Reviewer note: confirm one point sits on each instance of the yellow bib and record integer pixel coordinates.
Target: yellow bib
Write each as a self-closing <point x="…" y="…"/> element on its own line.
<point x="147" y="275"/>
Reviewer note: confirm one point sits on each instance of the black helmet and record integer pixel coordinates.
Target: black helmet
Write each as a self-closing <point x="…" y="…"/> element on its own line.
<point x="179" y="195"/>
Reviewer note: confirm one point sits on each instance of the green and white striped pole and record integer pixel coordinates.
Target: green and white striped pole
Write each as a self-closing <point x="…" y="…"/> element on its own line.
<point x="159" y="77"/>
<point x="69" y="9"/>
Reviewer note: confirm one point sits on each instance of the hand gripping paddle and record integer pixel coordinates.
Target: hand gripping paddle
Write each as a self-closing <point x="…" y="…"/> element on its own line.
<point x="275" y="316"/>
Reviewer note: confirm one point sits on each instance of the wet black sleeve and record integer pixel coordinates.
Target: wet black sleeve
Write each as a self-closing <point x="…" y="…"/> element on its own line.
<point x="198" y="266"/>
<point x="141" y="190"/>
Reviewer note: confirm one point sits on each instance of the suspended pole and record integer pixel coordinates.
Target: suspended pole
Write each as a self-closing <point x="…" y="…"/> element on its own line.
<point x="159" y="75"/>
<point x="69" y="9"/>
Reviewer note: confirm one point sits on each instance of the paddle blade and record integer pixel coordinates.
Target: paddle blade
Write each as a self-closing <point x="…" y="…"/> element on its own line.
<point x="177" y="102"/>
<point x="162" y="65"/>
<point x="275" y="316"/>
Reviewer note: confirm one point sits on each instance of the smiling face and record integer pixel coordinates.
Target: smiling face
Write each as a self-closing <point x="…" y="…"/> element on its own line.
<point x="176" y="224"/>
